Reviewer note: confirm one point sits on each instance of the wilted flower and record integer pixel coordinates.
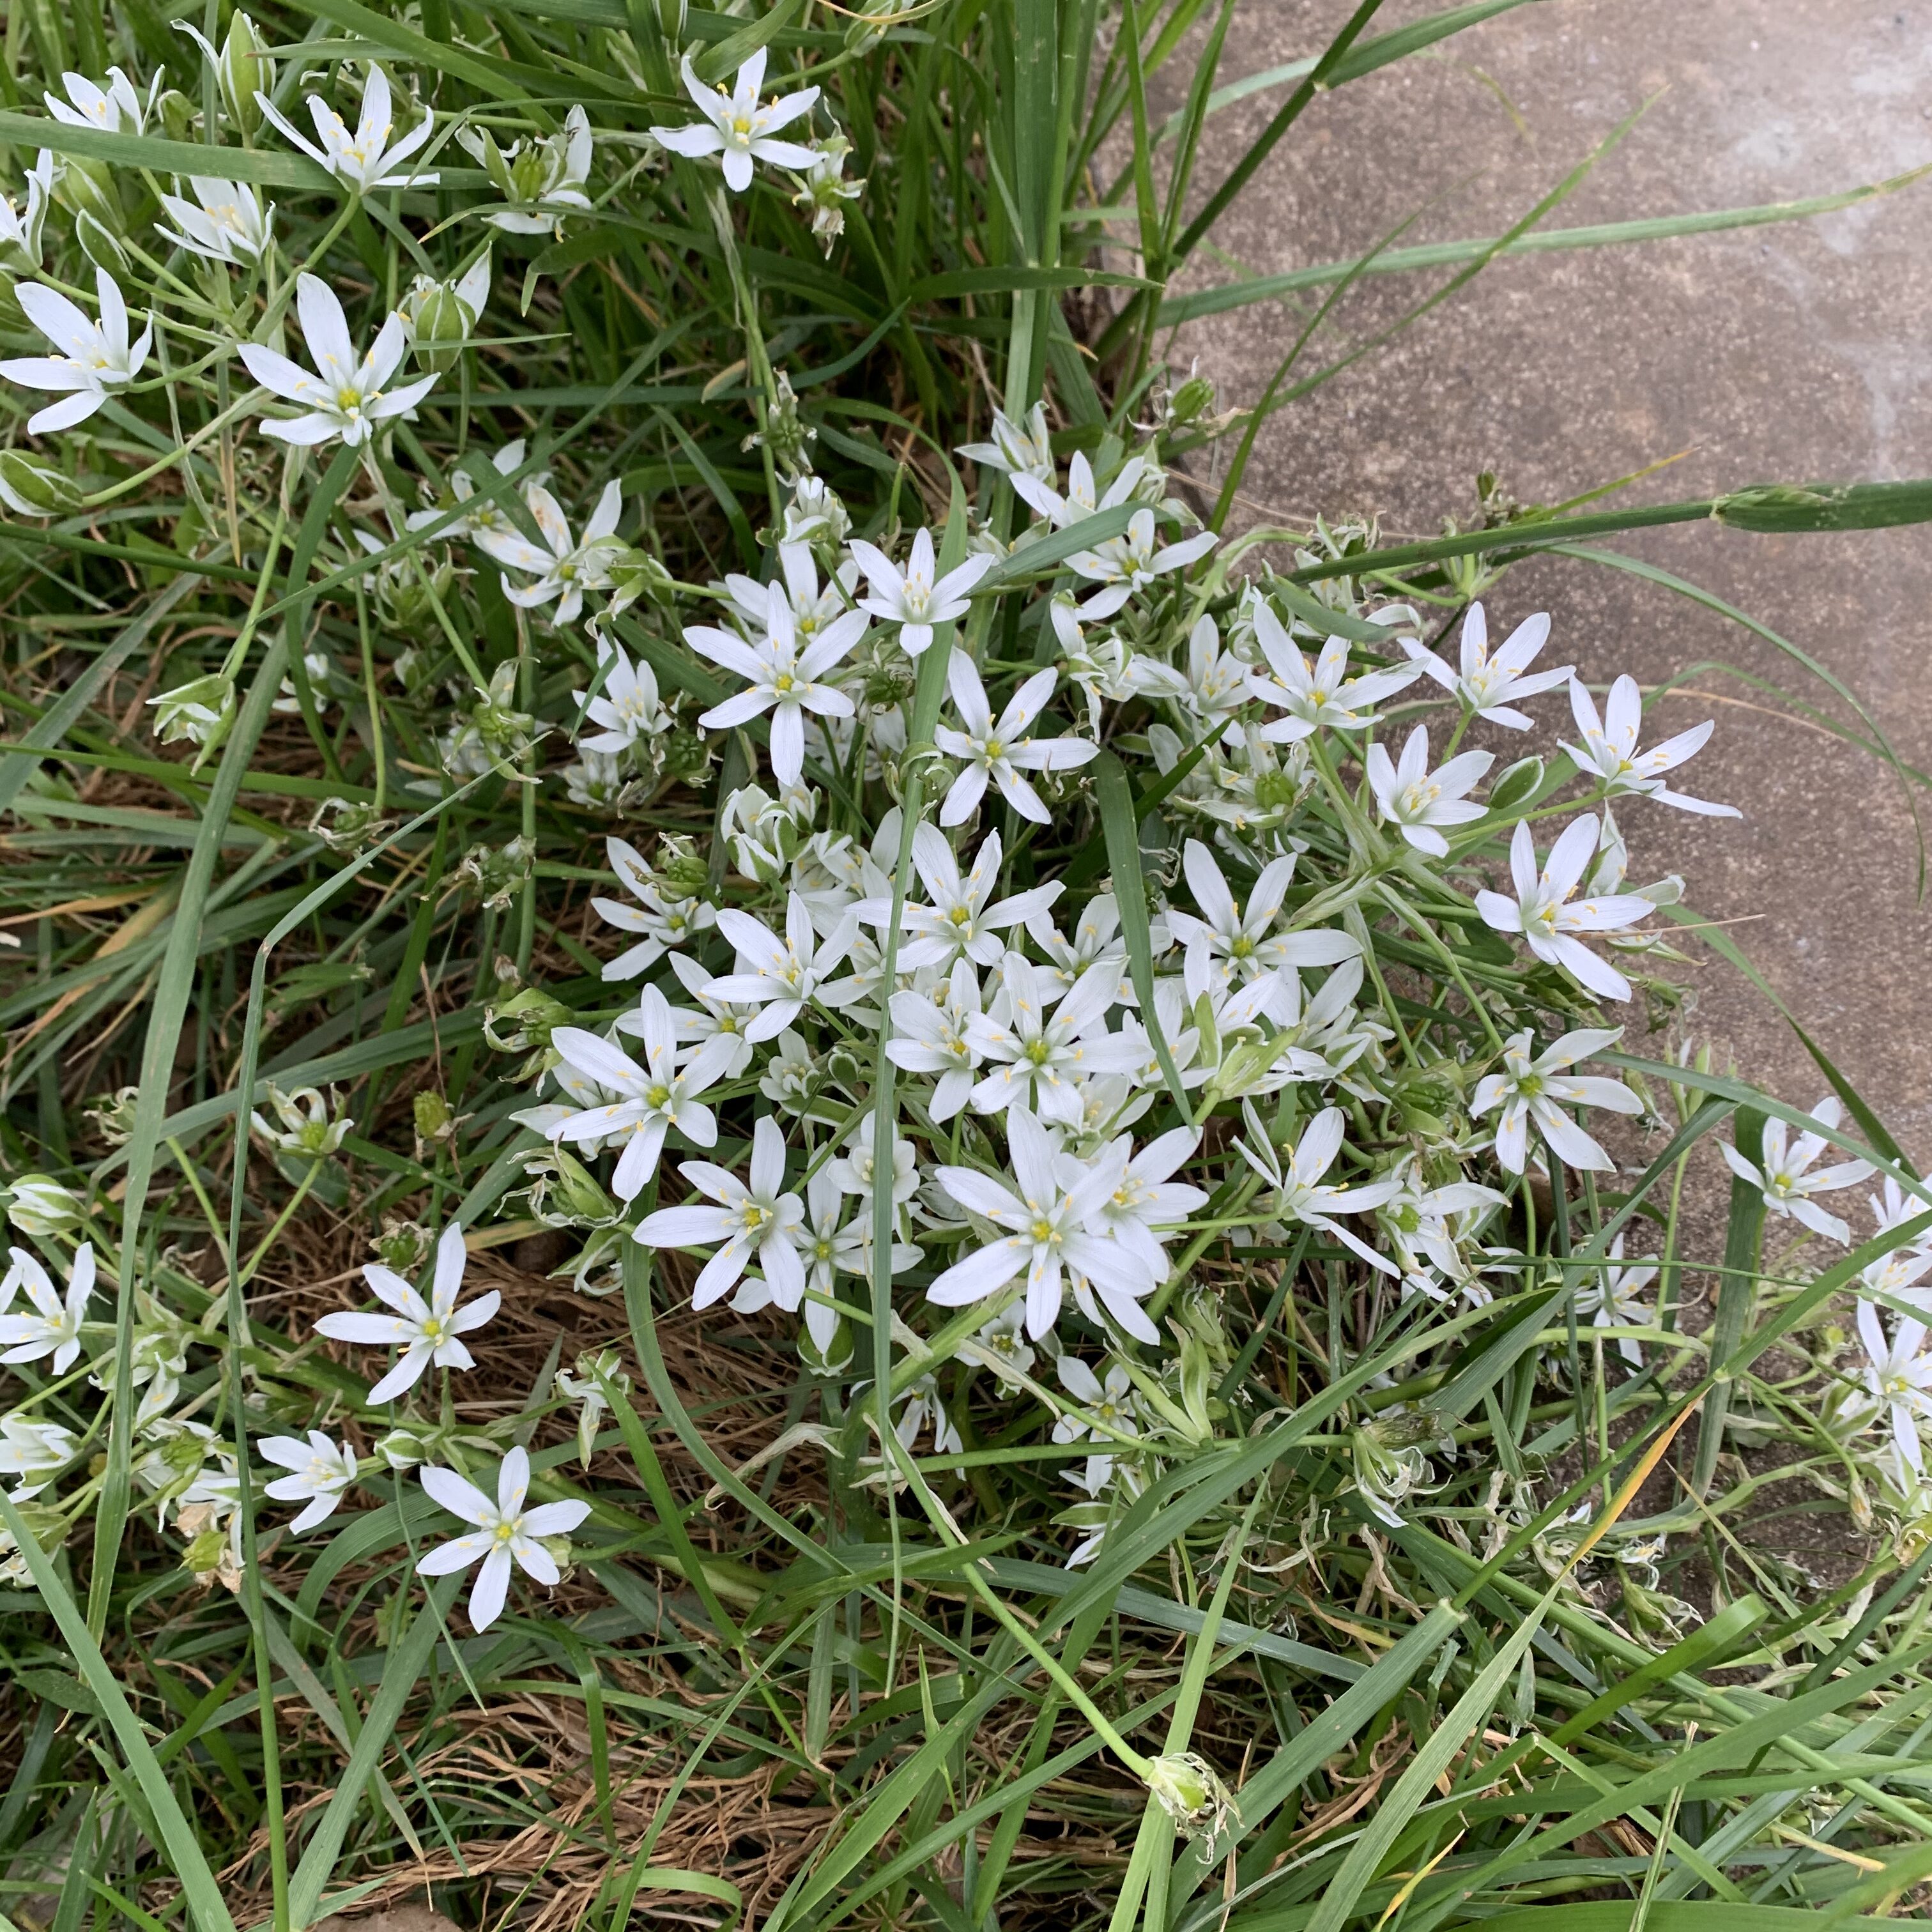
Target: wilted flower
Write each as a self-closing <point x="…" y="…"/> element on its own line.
<point x="1189" y="1790"/>
<point x="200" y="711"/>
<point x="823" y="189"/>
<point x="595" y="1373"/>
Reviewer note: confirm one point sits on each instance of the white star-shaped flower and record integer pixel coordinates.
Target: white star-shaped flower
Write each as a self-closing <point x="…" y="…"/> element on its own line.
<point x="1048" y="1213"/>
<point x="782" y="679"/>
<point x="737" y="127"/>
<point x="1000" y="751"/>
<point x="782" y="975"/>
<point x="914" y="599"/>
<point x="34" y="1451"/>
<point x="1544" y="916"/>
<point x="322" y="1469"/>
<point x="1609" y="750"/>
<point x="932" y="1034"/>
<point x="959" y="919"/>
<point x="1300" y="1194"/>
<point x="368" y="158"/>
<point x="1785" y="1175"/>
<point x="506" y="1530"/>
<point x="1231" y="946"/>
<point x="758" y="1222"/>
<point x="565" y="567"/>
<point x="1317" y="694"/>
<point x="228" y="225"/>
<point x="345" y="395"/>
<point x="1898" y="1374"/>
<point x="651" y="1099"/>
<point x="54" y="1328"/>
<point x="1488" y="685"/>
<point x="1416" y="801"/>
<point x="426" y="1331"/>
<point x="628" y="707"/>
<point x="1124" y="565"/>
<point x="115" y="109"/>
<point x="1539" y="1090"/>
<point x="92" y="359"/>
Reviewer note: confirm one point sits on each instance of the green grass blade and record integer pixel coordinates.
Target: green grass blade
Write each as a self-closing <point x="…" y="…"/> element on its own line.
<point x="200" y="1887"/>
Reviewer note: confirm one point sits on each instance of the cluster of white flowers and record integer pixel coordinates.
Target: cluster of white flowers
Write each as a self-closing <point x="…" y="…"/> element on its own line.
<point x="1059" y="1041"/>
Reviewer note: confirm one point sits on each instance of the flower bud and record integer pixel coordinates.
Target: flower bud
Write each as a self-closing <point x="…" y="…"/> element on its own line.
<point x="685" y="874"/>
<point x="1516" y="785"/>
<point x="85" y="186"/>
<point x="203" y="1555"/>
<point x="439" y="317"/>
<point x="434" y="1122"/>
<point x="635" y="574"/>
<point x="31" y="487"/>
<point x="177" y="113"/>
<point x="672" y="15"/>
<point x="831" y="1358"/>
<point x="40" y="1206"/>
<point x="99" y="244"/>
<point x="402" y="1448"/>
<point x="687" y="755"/>
<point x="243" y="71"/>
<point x="574" y="1198"/>
<point x="524" y="1020"/>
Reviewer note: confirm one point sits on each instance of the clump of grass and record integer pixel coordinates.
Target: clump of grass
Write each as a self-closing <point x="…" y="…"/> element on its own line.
<point x="1362" y="1510"/>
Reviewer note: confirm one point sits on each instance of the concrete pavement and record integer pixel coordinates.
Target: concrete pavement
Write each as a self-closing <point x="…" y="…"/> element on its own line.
<point x="1790" y="353"/>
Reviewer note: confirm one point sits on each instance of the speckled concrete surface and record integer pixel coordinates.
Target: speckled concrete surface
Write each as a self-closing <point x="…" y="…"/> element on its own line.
<point x="1790" y="353"/>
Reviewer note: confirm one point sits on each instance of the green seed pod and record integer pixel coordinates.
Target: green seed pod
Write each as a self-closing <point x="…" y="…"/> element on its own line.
<point x="1192" y="400"/>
